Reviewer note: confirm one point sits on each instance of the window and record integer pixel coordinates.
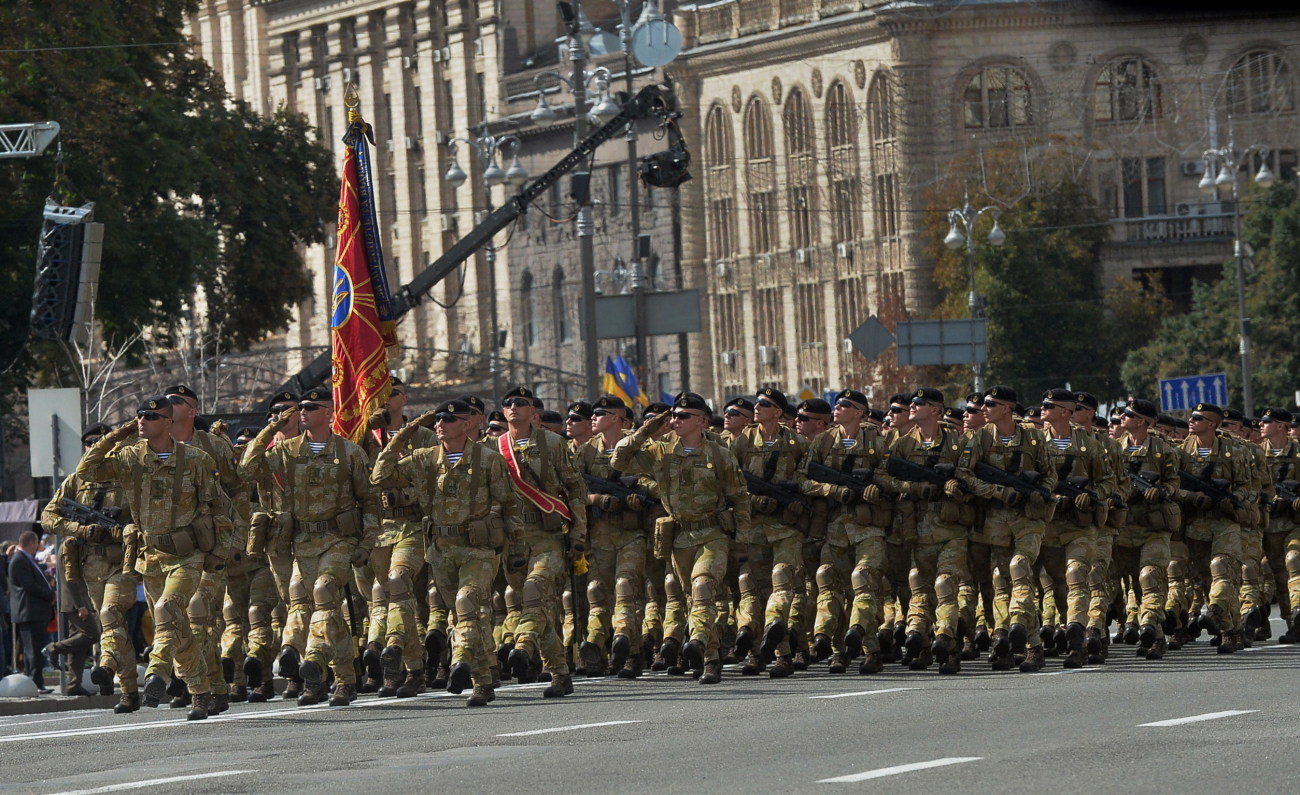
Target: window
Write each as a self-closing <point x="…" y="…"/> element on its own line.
<point x="719" y="185"/>
<point x="1260" y="82"/>
<point x="997" y="97"/>
<point x="884" y="157"/>
<point x="842" y="141"/>
<point x="615" y="189"/>
<point x="1127" y="90"/>
<point x="801" y="167"/>
<point x="767" y="318"/>
<point x="528" y="301"/>
<point x="1141" y="190"/>
<point x="760" y="176"/>
<point x="728" y="323"/>
<point x="562" y="329"/>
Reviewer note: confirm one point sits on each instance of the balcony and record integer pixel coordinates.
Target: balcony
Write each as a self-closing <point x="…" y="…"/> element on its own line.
<point x="1193" y="223"/>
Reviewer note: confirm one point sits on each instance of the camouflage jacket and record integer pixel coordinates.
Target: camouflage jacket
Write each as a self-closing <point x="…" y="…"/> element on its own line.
<point x="475" y="487"/>
<point x="148" y="483"/>
<point x="693" y="485"/>
<point x="544" y="461"/>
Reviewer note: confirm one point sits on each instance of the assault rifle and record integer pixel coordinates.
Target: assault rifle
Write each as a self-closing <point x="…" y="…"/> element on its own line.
<point x="1214" y="488"/>
<point x="1286" y="490"/>
<point x="622" y="488"/>
<point x="784" y="492"/>
<point x="857" y="479"/>
<point x="1143" y="480"/>
<point x="939" y="475"/>
<point x="107" y="520"/>
<point x="1026" y="482"/>
<point x="1072" y="487"/>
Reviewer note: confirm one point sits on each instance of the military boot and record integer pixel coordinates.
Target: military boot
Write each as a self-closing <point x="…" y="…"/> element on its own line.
<point x="265" y="691"/>
<point x="129" y="702"/>
<point x="1265" y="630"/>
<point x="632" y="667"/>
<point x="459" y="680"/>
<point x="390" y="660"/>
<point x="1146" y="640"/>
<point x="252" y="673"/>
<point x="620" y="652"/>
<point x="1095" y="645"/>
<point x="593" y="659"/>
<point x="942" y="651"/>
<point x="103" y="678"/>
<point x="969" y="649"/>
<point x="1228" y="644"/>
<point x="1034" y="660"/>
<point x="744" y="643"/>
<point x="180" y="695"/>
<point x="155" y="687"/>
<point x="1000" y="656"/>
<point x="1047" y="634"/>
<point x="198" y="707"/>
<point x="712" y="673"/>
<point x="290" y="661"/>
<point x="520" y="666"/>
<point x="313" y="684"/>
<point x="983" y="641"/>
<point x="798" y="650"/>
<point x="344" y="694"/>
<point x="782" y="668"/>
<point x="238" y="694"/>
<point x="693" y="656"/>
<point x="773" y="634"/>
<point x="823" y="648"/>
<point x="1074" y="637"/>
<point x="292" y="689"/>
<point x="227" y="670"/>
<point x="561" y="685"/>
<point x="495" y="673"/>
<point x="839" y="663"/>
<point x="753" y="665"/>
<point x="670" y="651"/>
<point x="922" y="661"/>
<point x="649" y="650"/>
<point x="413" y="686"/>
<point x="1292" y="634"/>
<point x="912" y="648"/>
<point x="371" y="661"/>
<point x="872" y="663"/>
<point x="480" y="697"/>
<point x="853" y="640"/>
<point x="1210" y="621"/>
<point x="1157" y="650"/>
<point x="438" y="678"/>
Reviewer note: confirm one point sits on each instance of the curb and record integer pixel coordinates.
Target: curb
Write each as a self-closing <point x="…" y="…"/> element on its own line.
<point x="10" y="707"/>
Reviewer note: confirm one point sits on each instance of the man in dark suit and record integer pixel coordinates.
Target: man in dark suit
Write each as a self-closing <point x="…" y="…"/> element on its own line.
<point x="6" y="636"/>
<point x="33" y="604"/>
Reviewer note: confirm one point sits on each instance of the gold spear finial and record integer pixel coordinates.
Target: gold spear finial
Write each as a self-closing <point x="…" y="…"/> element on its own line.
<point x="352" y="101"/>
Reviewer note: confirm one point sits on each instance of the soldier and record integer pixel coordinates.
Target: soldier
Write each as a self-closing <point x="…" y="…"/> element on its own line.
<point x="496" y="425"/>
<point x="553" y="498"/>
<point x="852" y="559"/>
<point x="78" y="615"/>
<point x="177" y="508"/>
<point x="1253" y="520"/>
<point x="577" y="424"/>
<point x="737" y="415"/>
<point x="1102" y="585"/>
<point x="252" y="607"/>
<point x="702" y="489"/>
<point x="471" y="512"/>
<point x="395" y="562"/>
<point x="335" y="519"/>
<point x="111" y="589"/>
<point x="1085" y="481"/>
<point x="812" y="418"/>
<point x="665" y="606"/>
<point x="553" y="422"/>
<point x="980" y="587"/>
<point x="1282" y="535"/>
<point x="617" y="550"/>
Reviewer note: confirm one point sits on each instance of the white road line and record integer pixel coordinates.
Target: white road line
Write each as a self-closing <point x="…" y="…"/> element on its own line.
<point x="893" y="771"/>
<point x="50" y="720"/>
<point x="570" y="728"/>
<point x="866" y="692"/>
<point x="154" y="782"/>
<point x="1067" y="671"/>
<point x="1198" y="718"/>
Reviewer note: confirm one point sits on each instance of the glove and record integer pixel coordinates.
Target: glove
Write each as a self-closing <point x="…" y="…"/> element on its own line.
<point x="1226" y="508"/>
<point x="871" y="493"/>
<point x="516" y="560"/>
<point x="1295" y="505"/>
<point x="952" y="488"/>
<point x="763" y="504"/>
<point x="1155" y="494"/>
<point x="213" y="563"/>
<point x="844" y="494"/>
<point x="634" y="502"/>
<point x="1010" y="497"/>
<point x="605" y="502"/>
<point x="924" y="491"/>
<point x="379" y="418"/>
<point x="1200" y="500"/>
<point x="1083" y="502"/>
<point x="360" y="557"/>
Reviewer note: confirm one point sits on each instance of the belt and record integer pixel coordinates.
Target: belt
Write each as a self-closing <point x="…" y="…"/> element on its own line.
<point x="447" y="530"/>
<point x="404" y="512"/>
<point x="530" y="517"/>
<point x="163" y="542"/>
<point x="708" y="523"/>
<point x="315" y="528"/>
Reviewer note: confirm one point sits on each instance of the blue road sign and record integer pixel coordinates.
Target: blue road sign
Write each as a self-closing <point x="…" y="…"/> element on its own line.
<point x="1181" y="394"/>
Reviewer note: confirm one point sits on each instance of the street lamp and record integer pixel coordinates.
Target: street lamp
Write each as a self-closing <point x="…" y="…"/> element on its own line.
<point x="1230" y="162"/>
<point x="486" y="147"/>
<point x="966" y="217"/>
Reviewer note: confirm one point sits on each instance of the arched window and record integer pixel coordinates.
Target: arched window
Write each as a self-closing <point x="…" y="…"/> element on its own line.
<point x="719" y="184"/>
<point x="998" y="97"/>
<point x="1260" y="82"/>
<point x="884" y="157"/>
<point x="561" y="306"/>
<point x="760" y="176"/>
<point x="1127" y="90"/>
<point x="842" y="141"/>
<point x="528" y="301"/>
<point x="801" y="167"/>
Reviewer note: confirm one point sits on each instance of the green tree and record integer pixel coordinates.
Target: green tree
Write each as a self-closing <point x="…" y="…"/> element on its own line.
<point x="195" y="191"/>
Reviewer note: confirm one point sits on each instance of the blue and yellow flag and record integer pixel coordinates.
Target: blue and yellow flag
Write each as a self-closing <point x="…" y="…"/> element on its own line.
<point x="621" y="382"/>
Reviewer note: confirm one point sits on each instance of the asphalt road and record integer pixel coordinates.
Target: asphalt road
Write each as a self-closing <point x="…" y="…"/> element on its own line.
<point x="1193" y="722"/>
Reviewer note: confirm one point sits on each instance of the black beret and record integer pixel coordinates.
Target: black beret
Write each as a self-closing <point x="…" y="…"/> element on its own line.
<point x="1002" y="392"/>
<point x="816" y="406"/>
<point x="1033" y="412"/>
<point x="158" y="403"/>
<point x="246" y="432"/>
<point x="1168" y="421"/>
<point x="742" y="403"/>
<point x="182" y="390"/>
<point x="855" y="397"/>
<point x="283" y="396"/>
<point x="1060" y="396"/>
<point x="1280" y="415"/>
<point x="614" y="403"/>
<point x="538" y="404"/>
<point x="774" y="395"/>
<point x="1086" y="399"/>
<point x="319" y="395"/>
<point x="975" y="398"/>
<point x="458" y="407"/>
<point x="553" y="417"/>
<point x="929" y="394"/>
<point x="474" y="402"/>
<point x="1234" y="414"/>
<point x="1020" y="409"/>
<point x="1144" y="408"/>
<point x="899" y="397"/>
<point x="690" y="400"/>
<point x="658" y="407"/>
<point x="520" y="391"/>
<point x="954" y="414"/>
<point x="877" y="414"/>
<point x="580" y="409"/>
<point x="1210" y="408"/>
<point x="497" y="416"/>
<point x="98" y="429"/>
<point x="1100" y="422"/>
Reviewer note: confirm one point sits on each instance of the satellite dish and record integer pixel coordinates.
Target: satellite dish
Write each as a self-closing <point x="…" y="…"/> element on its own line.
<point x="655" y="40"/>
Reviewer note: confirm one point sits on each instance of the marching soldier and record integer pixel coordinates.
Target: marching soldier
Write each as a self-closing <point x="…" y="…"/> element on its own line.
<point x="577" y="424"/>
<point x="1102" y="586"/>
<point x="702" y="489"/>
<point x="554" y="500"/>
<point x="177" y="507"/>
<point x="335" y="519"/>
<point x="1282" y="535"/>
<point x="737" y="415"/>
<point x="471" y="513"/>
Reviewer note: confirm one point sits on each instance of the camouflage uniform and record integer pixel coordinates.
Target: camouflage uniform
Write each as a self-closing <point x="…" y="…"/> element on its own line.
<point x="1282" y="536"/>
<point x="1142" y="552"/>
<point x="335" y="517"/>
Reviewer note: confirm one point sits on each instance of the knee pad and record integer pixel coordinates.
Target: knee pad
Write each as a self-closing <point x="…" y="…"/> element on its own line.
<point x="1149" y="579"/>
<point x="914" y="580"/>
<point x="532" y="594"/>
<point x="566" y="600"/>
<point x="1221" y="566"/>
<point x="1019" y="567"/>
<point x="864" y="581"/>
<point x="377" y="594"/>
<point x="825" y="577"/>
<point x="198" y="609"/>
<point x="1293" y="560"/>
<point x="467" y="606"/>
<point x="782" y="577"/>
<point x="110" y="619"/>
<point x="298" y="594"/>
<point x="399" y="585"/>
<point x="1176" y="570"/>
<point x="702" y="589"/>
<point x="258" y="615"/>
<point x="945" y="586"/>
<point x="1076" y="574"/>
<point x="596" y="593"/>
<point x="169" y="612"/>
<point x="498" y="602"/>
<point x="325" y="593"/>
<point x="625" y="590"/>
<point x="231" y="613"/>
<point x="511" y="599"/>
<point x="746" y="582"/>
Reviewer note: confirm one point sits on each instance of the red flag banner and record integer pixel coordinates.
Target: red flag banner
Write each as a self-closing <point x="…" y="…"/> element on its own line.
<point x="360" y="361"/>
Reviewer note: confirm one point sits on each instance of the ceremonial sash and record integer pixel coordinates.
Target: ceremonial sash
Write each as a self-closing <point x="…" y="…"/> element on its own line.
<point x="544" y="502"/>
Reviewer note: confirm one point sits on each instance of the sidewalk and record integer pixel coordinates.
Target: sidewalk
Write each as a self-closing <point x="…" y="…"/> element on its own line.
<point x="10" y="707"/>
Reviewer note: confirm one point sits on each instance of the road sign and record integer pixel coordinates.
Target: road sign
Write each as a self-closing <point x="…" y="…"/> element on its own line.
<point x="668" y="312"/>
<point x="871" y="338"/>
<point x="928" y="342"/>
<point x="54" y="417"/>
<point x="1181" y="394"/>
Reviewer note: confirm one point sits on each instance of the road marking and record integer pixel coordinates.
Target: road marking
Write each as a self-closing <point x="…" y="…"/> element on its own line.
<point x="1198" y="718"/>
<point x="1067" y="671"/>
<point x="570" y="728"/>
<point x="154" y="782"/>
<point x="46" y="720"/>
<point x="866" y="692"/>
<point x="893" y="771"/>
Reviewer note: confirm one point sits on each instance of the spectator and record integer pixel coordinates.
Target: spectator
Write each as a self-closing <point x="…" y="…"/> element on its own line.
<point x="33" y="605"/>
<point x="6" y="641"/>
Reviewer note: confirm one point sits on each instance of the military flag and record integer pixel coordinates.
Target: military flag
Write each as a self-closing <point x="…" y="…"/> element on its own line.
<point x="621" y="382"/>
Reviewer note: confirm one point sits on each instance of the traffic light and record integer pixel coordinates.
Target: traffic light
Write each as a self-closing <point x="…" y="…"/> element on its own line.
<point x="67" y="273"/>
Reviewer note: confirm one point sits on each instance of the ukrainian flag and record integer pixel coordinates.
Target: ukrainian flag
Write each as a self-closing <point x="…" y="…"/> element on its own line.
<point x="621" y="382"/>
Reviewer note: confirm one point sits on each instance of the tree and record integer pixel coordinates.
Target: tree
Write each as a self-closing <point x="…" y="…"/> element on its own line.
<point x="200" y="196"/>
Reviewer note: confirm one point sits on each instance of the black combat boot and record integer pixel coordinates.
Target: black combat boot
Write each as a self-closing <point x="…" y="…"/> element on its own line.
<point x="103" y="678"/>
<point x="313" y="684"/>
<point x="782" y="668"/>
<point x="593" y="659"/>
<point x="390" y="660"/>
<point x="413" y="686"/>
<point x="520" y="666"/>
<point x="372" y="664"/>
<point x="822" y="647"/>
<point x="620" y="651"/>
<point x="773" y="634"/>
<point x="459" y="680"/>
<point x="693" y="655"/>
<point x="290" y="661"/>
<point x="853" y="640"/>
<point x="744" y="643"/>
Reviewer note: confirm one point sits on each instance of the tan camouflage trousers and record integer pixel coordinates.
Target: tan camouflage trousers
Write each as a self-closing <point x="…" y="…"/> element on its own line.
<point x="297" y="612"/>
<point x="1216" y="563"/>
<point x="1252" y="554"/>
<point x="803" y="613"/>
<point x="615" y="584"/>
<point x="898" y="593"/>
<point x="538" y="587"/>
<point x="321" y="570"/>
<point x="1146" y="568"/>
<point x="255" y="600"/>
<point x="1100" y="588"/>
<point x="393" y="619"/>
<point x="754" y="584"/>
<point x="787" y="572"/>
<point x="234" y="619"/>
<point x="205" y="622"/>
<point x="170" y="583"/>
<point x="1015" y="594"/>
<point x="1283" y="550"/>
<point x="704" y="566"/>
<point x="113" y="595"/>
<point x="978" y="588"/>
<point x="1178" y="600"/>
<point x="1069" y="565"/>
<point x="857" y="569"/>
<point x="652" y="621"/>
<point x="676" y="607"/>
<point x="940" y="568"/>
<point x="466" y="574"/>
